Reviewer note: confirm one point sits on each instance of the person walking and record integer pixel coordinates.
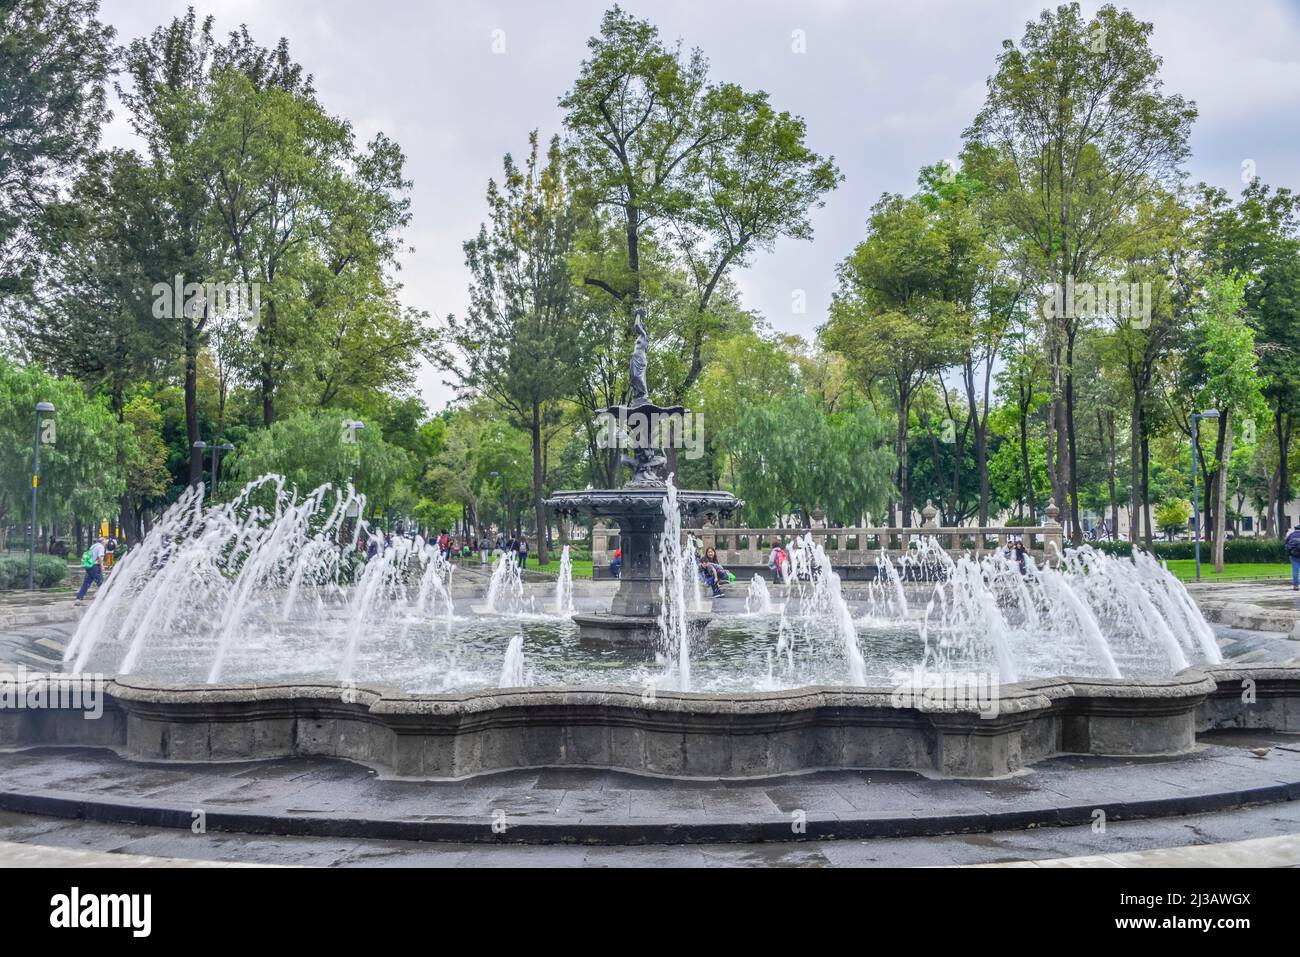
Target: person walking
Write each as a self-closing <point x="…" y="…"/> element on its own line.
<point x="523" y="552"/>
<point x="93" y="562"/>
<point x="1293" y="552"/>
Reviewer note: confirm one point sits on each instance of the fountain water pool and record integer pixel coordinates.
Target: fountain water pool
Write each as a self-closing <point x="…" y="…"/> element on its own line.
<point x="269" y="588"/>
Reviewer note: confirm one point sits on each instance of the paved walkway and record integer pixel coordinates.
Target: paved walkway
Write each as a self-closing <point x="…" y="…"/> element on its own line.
<point x="39" y="855"/>
<point x="1269" y="605"/>
<point x="1196" y="840"/>
<point x="1281" y="851"/>
<point x="323" y="797"/>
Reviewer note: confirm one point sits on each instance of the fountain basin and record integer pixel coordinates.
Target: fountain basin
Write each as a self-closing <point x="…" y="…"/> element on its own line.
<point x="661" y="732"/>
<point x="607" y="628"/>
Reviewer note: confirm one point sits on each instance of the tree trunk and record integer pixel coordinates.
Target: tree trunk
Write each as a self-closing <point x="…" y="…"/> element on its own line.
<point x="536" y="430"/>
<point x="1221" y="491"/>
<point x="1147" y="531"/>
<point x="1114" y="455"/>
<point x="1030" y="497"/>
<point x="192" y="400"/>
<point x="1076" y="530"/>
<point x="266" y="330"/>
<point x="1282" y="426"/>
<point x="901" y="450"/>
<point x="1135" y="470"/>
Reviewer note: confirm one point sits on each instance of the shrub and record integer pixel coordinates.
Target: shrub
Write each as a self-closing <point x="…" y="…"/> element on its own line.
<point x="1237" y="550"/>
<point x="47" y="571"/>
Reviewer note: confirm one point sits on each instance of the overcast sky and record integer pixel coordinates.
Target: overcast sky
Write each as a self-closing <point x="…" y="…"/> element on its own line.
<point x="885" y="87"/>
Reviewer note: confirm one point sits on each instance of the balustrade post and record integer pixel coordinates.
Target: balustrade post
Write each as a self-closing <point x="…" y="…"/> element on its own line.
<point x="1053" y="547"/>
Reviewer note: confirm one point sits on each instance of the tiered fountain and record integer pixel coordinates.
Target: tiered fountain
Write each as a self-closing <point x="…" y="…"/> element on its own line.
<point x="641" y="508"/>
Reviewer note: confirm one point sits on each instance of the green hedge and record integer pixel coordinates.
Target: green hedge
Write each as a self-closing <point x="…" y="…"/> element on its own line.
<point x="47" y="571"/>
<point x="1241" y="550"/>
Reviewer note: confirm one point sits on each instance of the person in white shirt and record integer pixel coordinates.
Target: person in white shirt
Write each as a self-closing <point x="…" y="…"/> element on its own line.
<point x="94" y="570"/>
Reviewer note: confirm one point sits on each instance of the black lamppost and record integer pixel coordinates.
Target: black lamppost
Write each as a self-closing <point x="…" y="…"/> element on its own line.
<point x="1196" y="500"/>
<point x="216" y="463"/>
<point x="36" y="472"/>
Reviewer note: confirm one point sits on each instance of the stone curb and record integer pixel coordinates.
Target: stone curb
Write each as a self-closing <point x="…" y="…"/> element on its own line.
<point x="718" y="831"/>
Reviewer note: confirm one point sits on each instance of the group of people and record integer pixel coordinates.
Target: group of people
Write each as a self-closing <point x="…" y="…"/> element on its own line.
<point x="708" y="567"/>
<point x="1015" y="552"/>
<point x="451" y="547"/>
<point x="485" y="546"/>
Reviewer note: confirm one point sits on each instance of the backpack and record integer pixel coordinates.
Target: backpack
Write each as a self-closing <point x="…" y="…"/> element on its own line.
<point x="88" y="559"/>
<point x="1293" y="545"/>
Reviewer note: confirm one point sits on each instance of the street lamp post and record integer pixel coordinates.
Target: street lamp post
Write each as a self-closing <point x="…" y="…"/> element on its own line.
<point x="36" y="472"/>
<point x="1196" y="501"/>
<point x="216" y="463"/>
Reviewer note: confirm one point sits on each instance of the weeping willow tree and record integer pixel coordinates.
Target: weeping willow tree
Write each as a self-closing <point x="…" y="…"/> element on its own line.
<point x="792" y="456"/>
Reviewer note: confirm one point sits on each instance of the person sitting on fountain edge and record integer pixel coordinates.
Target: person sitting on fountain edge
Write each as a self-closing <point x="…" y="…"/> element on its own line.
<point x="709" y="571"/>
<point x="714" y="573"/>
<point x="1021" y="556"/>
<point x="616" y="565"/>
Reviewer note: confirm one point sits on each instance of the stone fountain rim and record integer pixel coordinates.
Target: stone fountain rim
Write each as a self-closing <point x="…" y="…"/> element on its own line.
<point x="1013" y="697"/>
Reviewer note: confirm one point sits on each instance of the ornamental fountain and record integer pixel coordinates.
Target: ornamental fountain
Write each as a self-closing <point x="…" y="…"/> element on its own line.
<point x="641" y="508"/>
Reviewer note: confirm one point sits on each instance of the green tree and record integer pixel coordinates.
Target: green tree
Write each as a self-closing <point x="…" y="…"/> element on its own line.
<point x="795" y="457"/>
<point x="1230" y="382"/>
<point x="522" y="340"/>
<point x="144" y="461"/>
<point x="675" y="166"/>
<point x="1075" y="134"/>
<point x="311" y="447"/>
<point x="889" y="316"/>
<point x="54" y="60"/>
<point x="1172" y="516"/>
<point x="1257" y="237"/>
<point x="81" y="450"/>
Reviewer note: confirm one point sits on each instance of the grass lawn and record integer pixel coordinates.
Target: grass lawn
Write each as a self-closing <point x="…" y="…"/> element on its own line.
<point x="1185" y="568"/>
<point x="581" y="569"/>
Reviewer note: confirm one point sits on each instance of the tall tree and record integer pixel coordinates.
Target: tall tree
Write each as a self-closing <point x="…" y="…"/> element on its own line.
<point x="1258" y="237"/>
<point x="521" y="341"/>
<point x="1075" y="133"/>
<point x="889" y="316"/>
<point x="676" y="166"/>
<point x="1230" y="381"/>
<point x="54" y="62"/>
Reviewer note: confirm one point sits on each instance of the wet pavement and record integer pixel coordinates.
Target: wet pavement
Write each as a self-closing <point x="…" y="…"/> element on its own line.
<point x="54" y="842"/>
<point x="324" y="797"/>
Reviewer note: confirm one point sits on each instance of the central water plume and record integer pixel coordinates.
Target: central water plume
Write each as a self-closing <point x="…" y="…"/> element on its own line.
<point x="677" y="563"/>
<point x="564" y="585"/>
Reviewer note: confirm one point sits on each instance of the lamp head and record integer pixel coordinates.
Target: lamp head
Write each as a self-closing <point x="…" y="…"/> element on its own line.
<point x="44" y="407"/>
<point x="200" y="445"/>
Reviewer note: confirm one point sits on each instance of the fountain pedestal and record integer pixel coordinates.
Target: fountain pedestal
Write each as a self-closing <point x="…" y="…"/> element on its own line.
<point x="638" y="510"/>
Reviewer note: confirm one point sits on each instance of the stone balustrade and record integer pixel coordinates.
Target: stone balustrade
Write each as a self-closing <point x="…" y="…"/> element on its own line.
<point x="850" y="547"/>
